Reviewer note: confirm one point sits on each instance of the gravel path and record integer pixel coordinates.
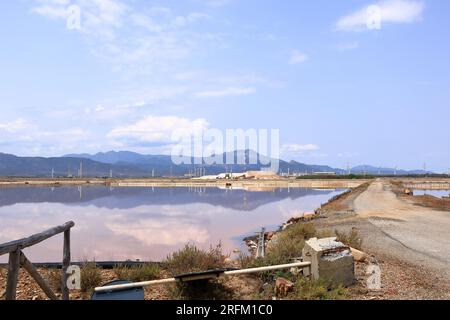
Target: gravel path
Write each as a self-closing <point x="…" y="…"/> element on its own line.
<point x="412" y="233"/>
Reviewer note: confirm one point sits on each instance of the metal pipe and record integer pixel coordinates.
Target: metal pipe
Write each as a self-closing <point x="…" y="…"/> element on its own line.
<point x="135" y="285"/>
<point x="269" y="268"/>
<point x="226" y="273"/>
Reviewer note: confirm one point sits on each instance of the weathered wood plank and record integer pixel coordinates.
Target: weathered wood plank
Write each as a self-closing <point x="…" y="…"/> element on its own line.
<point x="27" y="265"/>
<point x="34" y="239"/>
<point x="13" y="275"/>
<point x="66" y="264"/>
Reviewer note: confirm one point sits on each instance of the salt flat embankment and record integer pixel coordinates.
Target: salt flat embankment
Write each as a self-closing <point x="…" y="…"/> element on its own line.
<point x="186" y="183"/>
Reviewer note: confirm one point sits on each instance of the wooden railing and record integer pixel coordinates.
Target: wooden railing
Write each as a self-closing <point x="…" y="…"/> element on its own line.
<point x="18" y="259"/>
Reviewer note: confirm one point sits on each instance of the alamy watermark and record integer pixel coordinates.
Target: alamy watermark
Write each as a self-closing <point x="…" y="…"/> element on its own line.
<point x="240" y="147"/>
<point x="73" y="21"/>
<point x="374" y="17"/>
<point x="73" y="278"/>
<point x="374" y="279"/>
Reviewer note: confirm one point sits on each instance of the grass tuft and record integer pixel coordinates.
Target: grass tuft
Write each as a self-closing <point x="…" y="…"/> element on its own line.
<point x="90" y="277"/>
<point x="351" y="239"/>
<point x="305" y="289"/>
<point x="192" y="259"/>
<point x="143" y="272"/>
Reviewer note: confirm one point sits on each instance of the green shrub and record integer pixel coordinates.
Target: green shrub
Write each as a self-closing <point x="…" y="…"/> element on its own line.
<point x="143" y="272"/>
<point x="351" y="239"/>
<point x="286" y="247"/>
<point x="289" y="244"/>
<point x="90" y="277"/>
<point x="245" y="261"/>
<point x="305" y="289"/>
<point x="54" y="278"/>
<point x="191" y="259"/>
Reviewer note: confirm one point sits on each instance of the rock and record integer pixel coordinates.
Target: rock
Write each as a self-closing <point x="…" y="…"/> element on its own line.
<point x="35" y="298"/>
<point x="307" y="216"/>
<point x="269" y="235"/>
<point x="283" y="287"/>
<point x="358" y="255"/>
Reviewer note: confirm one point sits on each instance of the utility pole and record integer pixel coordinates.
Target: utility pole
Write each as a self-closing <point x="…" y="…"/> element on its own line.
<point x="81" y="170"/>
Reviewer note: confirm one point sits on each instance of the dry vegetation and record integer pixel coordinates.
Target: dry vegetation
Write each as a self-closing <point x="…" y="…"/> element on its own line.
<point x="143" y="272"/>
<point x="286" y="247"/>
<point x="191" y="259"/>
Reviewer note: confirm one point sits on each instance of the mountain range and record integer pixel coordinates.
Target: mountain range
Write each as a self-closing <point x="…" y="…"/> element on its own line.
<point x="131" y="164"/>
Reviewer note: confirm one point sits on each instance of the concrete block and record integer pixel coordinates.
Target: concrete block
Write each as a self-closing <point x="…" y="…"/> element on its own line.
<point x="330" y="261"/>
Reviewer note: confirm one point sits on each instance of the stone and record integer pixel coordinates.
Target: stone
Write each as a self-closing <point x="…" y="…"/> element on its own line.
<point x="330" y="261"/>
<point x="358" y="255"/>
<point x="283" y="287"/>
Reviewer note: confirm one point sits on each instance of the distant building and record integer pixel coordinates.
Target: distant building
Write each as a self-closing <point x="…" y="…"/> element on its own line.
<point x="257" y="175"/>
<point x="261" y="175"/>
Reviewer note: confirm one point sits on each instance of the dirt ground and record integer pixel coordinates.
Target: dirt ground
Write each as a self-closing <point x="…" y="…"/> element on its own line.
<point x="413" y="240"/>
<point x="242" y="287"/>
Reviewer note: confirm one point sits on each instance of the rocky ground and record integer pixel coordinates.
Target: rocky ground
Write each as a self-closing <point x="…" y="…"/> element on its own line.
<point x="407" y="235"/>
<point x="242" y="287"/>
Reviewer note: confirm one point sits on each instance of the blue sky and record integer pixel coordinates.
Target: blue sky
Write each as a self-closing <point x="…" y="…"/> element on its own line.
<point x="339" y="91"/>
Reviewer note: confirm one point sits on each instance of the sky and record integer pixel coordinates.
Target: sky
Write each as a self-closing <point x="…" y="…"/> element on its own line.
<point x="346" y="82"/>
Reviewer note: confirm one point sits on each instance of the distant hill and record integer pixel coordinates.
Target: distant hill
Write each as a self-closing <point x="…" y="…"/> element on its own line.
<point x="14" y="166"/>
<point x="366" y="169"/>
<point x="131" y="164"/>
<point x="113" y="157"/>
<point x="162" y="163"/>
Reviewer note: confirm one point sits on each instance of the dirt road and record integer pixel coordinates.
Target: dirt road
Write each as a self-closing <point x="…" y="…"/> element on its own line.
<point x="411" y="233"/>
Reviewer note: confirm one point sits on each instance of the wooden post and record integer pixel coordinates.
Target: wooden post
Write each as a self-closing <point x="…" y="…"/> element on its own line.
<point x="13" y="275"/>
<point x="65" y="265"/>
<point x="27" y="265"/>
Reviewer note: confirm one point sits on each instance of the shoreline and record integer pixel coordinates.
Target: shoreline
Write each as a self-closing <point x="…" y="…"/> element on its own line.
<point x="186" y="183"/>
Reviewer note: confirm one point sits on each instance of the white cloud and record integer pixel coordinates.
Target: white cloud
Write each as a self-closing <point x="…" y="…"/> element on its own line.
<point x="298" y="148"/>
<point x="157" y="130"/>
<point x="297" y="57"/>
<point x="391" y="11"/>
<point x="227" y="92"/>
<point x="134" y="41"/>
<point x="27" y="138"/>
<point x="15" y="126"/>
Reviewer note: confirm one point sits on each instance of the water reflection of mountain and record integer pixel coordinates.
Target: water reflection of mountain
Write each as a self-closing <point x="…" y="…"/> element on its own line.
<point x="126" y="198"/>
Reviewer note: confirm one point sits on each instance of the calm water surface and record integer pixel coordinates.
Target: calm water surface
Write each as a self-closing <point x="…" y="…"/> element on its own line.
<point x="146" y="223"/>
<point x="434" y="193"/>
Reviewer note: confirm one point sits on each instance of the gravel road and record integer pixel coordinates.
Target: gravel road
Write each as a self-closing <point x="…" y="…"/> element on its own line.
<point x="413" y="233"/>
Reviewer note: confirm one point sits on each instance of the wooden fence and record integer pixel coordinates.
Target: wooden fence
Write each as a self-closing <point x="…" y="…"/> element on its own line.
<point x="18" y="259"/>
